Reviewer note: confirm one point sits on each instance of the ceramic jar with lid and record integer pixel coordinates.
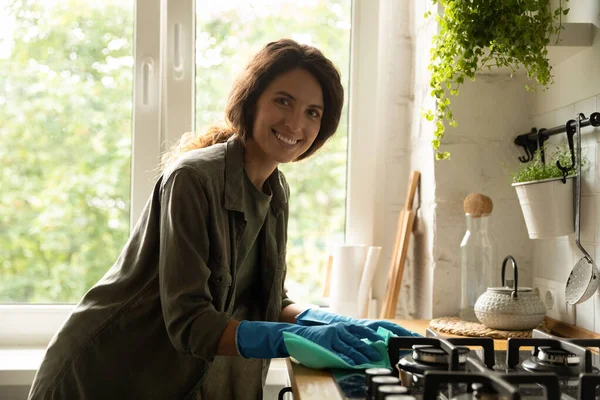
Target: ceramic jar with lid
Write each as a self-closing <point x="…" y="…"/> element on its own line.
<point x="510" y="308"/>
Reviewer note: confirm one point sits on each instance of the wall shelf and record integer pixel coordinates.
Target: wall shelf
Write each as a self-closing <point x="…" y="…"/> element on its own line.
<point x="576" y="37"/>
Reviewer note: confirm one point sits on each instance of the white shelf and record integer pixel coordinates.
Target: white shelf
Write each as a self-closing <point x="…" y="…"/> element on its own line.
<point x="576" y="37"/>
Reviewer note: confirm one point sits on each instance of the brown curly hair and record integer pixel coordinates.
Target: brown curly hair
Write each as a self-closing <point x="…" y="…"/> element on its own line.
<point x="271" y="61"/>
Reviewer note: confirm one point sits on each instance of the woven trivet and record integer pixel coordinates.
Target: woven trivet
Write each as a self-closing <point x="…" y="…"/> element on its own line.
<point x="456" y="326"/>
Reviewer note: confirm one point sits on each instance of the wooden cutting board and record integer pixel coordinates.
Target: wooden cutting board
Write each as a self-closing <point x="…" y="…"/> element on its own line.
<point x="403" y="232"/>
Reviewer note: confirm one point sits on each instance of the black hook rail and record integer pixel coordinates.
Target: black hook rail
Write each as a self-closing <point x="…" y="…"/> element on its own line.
<point x="535" y="139"/>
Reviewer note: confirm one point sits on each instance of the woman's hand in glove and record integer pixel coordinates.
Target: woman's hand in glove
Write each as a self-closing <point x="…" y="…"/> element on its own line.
<point x="257" y="339"/>
<point x="315" y="317"/>
<point x="345" y="340"/>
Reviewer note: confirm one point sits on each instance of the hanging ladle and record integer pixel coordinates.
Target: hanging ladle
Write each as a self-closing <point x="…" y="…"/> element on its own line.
<point x="583" y="280"/>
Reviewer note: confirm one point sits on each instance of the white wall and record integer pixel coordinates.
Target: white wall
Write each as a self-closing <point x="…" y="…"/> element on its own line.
<point x="404" y="40"/>
<point x="576" y="90"/>
<point x="490" y="112"/>
<point x="422" y="160"/>
<point x="392" y="121"/>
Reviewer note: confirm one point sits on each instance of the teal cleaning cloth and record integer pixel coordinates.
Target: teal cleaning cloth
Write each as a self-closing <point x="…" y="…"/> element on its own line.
<point x="314" y="356"/>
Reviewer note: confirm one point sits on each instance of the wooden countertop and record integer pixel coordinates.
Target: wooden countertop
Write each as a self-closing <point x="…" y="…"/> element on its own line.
<point x="311" y="384"/>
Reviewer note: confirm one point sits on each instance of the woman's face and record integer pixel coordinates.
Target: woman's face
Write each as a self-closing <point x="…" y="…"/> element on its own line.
<point x="288" y="118"/>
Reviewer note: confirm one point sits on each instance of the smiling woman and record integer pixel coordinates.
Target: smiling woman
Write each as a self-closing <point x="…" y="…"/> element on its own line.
<point x="86" y="119"/>
<point x="286" y="123"/>
<point x="67" y="70"/>
<point x="201" y="279"/>
<point x="228" y="33"/>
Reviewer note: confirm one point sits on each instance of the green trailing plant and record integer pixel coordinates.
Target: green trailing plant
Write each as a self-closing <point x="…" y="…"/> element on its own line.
<point x="536" y="170"/>
<point x="479" y="34"/>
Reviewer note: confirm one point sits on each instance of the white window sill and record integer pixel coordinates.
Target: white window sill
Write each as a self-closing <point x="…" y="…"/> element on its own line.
<point x="18" y="366"/>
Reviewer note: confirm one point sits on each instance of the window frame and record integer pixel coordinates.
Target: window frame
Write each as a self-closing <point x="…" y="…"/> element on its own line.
<point x="34" y="325"/>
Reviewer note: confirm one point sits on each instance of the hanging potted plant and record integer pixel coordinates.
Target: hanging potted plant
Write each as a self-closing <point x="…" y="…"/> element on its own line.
<point x="475" y="35"/>
<point x="546" y="198"/>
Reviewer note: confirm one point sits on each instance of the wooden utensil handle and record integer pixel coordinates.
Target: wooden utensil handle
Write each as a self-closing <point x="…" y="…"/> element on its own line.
<point x="412" y="188"/>
<point x="404" y="242"/>
<point x="402" y="239"/>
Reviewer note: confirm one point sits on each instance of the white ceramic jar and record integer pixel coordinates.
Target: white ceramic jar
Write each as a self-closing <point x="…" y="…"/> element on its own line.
<point x="510" y="308"/>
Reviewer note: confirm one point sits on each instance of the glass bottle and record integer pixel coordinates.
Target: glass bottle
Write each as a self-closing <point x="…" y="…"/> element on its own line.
<point x="477" y="251"/>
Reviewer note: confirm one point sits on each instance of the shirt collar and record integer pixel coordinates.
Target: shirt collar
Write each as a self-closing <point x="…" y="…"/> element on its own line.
<point x="234" y="169"/>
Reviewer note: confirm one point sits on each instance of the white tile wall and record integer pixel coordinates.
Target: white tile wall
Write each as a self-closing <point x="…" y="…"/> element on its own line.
<point x="575" y="79"/>
<point x="544" y="263"/>
<point x="588" y="171"/>
<point x="554" y="259"/>
<point x="564" y="114"/>
<point x="585" y="315"/>
<point x="588" y="218"/>
<point x="490" y="113"/>
<point x="581" y="10"/>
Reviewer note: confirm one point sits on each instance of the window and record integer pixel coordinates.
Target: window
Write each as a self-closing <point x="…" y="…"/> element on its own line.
<point x="66" y="82"/>
<point x="92" y="92"/>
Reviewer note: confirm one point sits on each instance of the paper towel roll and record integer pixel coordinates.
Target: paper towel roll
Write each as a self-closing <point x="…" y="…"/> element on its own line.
<point x="346" y="273"/>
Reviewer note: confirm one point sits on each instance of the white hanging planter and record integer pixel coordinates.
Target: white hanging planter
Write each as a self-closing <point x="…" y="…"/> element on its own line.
<point x="547" y="206"/>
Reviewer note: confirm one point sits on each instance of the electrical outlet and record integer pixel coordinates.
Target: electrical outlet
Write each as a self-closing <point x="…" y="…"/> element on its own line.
<point x="552" y="294"/>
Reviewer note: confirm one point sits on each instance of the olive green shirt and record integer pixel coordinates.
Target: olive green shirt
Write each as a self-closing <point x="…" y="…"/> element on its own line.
<point x="149" y="329"/>
<point x="237" y="377"/>
<point x="256" y="204"/>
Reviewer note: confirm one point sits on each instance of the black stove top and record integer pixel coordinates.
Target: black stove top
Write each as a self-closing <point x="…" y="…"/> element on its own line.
<point x="436" y="367"/>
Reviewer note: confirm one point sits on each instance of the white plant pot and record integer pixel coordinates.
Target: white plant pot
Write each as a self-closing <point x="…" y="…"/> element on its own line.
<point x="547" y="206"/>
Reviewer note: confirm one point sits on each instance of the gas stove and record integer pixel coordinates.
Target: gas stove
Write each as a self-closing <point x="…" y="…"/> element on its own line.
<point x="435" y="367"/>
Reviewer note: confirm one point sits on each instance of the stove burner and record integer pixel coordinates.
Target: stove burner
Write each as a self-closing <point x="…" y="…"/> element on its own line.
<point x="557" y="356"/>
<point x="436" y="356"/>
<point x="551" y="359"/>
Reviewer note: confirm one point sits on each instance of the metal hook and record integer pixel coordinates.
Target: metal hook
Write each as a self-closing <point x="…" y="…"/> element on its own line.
<point x="570" y="133"/>
<point x="527" y="156"/>
<point x="528" y="145"/>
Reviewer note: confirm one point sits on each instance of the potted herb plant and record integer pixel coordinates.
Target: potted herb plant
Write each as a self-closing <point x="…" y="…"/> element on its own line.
<point x="546" y="201"/>
<point x="475" y="35"/>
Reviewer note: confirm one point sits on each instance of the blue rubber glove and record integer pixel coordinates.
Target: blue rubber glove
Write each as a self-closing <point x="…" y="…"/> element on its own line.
<point x="316" y="317"/>
<point x="257" y="339"/>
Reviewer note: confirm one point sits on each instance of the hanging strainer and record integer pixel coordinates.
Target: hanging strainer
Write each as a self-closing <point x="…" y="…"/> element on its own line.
<point x="583" y="280"/>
